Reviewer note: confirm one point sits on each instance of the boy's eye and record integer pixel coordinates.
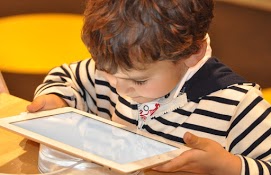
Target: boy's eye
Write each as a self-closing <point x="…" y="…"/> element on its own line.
<point x="140" y="82"/>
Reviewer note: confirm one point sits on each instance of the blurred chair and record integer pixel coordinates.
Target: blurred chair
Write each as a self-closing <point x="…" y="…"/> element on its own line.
<point x="32" y="40"/>
<point x="267" y="94"/>
<point x="35" y="43"/>
<point x="3" y="86"/>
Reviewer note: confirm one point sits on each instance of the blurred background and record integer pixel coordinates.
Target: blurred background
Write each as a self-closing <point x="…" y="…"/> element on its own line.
<point x="37" y="35"/>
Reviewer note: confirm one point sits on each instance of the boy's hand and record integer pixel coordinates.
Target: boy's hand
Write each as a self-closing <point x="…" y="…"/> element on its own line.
<point x="46" y="102"/>
<point x="205" y="157"/>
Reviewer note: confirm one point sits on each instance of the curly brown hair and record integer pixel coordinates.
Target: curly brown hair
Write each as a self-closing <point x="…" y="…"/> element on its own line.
<point x="127" y="33"/>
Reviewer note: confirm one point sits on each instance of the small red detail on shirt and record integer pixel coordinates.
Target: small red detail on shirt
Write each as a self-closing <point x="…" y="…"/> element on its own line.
<point x="144" y="114"/>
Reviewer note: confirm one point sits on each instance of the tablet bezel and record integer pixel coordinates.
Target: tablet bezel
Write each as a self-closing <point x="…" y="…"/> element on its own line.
<point x="149" y="162"/>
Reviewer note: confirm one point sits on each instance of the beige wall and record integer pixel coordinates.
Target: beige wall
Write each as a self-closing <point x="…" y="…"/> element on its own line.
<point x="14" y="7"/>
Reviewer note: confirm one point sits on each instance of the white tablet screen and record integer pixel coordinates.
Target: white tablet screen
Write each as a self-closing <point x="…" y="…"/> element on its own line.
<point x="96" y="137"/>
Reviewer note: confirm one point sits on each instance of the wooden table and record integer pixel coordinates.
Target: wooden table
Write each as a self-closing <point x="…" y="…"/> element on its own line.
<point x="19" y="155"/>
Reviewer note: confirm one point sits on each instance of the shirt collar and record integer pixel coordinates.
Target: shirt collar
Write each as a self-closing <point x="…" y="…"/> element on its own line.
<point x="192" y="70"/>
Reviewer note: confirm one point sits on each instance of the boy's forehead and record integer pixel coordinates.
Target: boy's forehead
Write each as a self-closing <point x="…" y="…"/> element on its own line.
<point x="148" y="71"/>
<point x="141" y="70"/>
<point x="132" y="74"/>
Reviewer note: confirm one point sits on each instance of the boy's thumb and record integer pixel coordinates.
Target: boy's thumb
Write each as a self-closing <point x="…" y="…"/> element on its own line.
<point x="36" y="105"/>
<point x="194" y="141"/>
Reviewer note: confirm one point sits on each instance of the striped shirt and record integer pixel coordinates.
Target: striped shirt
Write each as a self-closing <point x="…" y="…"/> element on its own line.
<point x="214" y="103"/>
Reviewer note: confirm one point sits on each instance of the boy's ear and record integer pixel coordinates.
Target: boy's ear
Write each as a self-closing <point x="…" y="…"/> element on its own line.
<point x="195" y="58"/>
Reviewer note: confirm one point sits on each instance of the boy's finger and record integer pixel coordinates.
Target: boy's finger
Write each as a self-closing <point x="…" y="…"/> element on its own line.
<point x="36" y="105"/>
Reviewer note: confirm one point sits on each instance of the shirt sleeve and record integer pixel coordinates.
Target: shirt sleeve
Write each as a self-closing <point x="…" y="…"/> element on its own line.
<point x="249" y="134"/>
<point x="75" y="83"/>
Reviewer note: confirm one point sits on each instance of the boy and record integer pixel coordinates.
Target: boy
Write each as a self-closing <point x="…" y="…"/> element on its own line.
<point x="152" y="69"/>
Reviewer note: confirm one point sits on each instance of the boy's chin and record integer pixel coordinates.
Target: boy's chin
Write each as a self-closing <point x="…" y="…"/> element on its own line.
<point x="141" y="100"/>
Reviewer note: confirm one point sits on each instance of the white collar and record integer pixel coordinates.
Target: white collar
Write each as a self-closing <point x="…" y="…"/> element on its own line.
<point x="192" y="70"/>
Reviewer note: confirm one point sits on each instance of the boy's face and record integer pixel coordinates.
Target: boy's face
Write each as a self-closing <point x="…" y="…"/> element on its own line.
<point x="147" y="85"/>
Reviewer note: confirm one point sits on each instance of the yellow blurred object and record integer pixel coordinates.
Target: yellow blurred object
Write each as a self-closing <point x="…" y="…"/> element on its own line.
<point x="35" y="43"/>
<point x="267" y="94"/>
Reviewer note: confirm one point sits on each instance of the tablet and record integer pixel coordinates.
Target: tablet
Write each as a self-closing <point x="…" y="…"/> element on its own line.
<point x="94" y="139"/>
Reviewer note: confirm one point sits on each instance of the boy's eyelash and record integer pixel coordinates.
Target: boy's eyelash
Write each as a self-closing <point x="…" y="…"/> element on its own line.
<point x="140" y="82"/>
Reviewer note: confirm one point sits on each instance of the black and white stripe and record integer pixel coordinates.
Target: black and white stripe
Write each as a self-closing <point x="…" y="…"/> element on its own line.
<point x="220" y="106"/>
